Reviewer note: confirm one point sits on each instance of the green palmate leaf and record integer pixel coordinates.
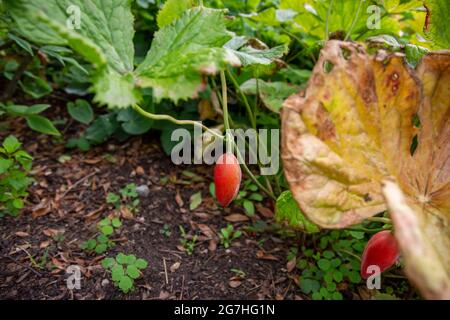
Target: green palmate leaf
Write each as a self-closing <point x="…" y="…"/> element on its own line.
<point x="81" y="111"/>
<point x="104" y="37"/>
<point x="437" y="27"/>
<point x="185" y="50"/>
<point x="288" y="210"/>
<point x="172" y="10"/>
<point x="272" y="94"/>
<point x="42" y="124"/>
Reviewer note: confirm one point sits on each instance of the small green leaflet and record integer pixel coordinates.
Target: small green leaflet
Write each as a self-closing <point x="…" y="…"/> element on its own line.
<point x="287" y="210"/>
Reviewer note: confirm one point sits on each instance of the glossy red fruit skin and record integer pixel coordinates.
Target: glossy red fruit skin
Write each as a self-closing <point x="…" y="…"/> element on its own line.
<point x="381" y="250"/>
<point x="227" y="178"/>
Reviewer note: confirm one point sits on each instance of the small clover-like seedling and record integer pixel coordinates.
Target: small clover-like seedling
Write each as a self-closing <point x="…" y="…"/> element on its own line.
<point x="102" y="242"/>
<point x="227" y="235"/>
<point x="124" y="270"/>
<point x="129" y="191"/>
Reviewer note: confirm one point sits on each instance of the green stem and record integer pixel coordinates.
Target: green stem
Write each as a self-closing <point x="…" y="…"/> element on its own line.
<point x="361" y="229"/>
<point x="354" y="20"/>
<point x="328" y="18"/>
<point x="251" y="116"/>
<point x="175" y="121"/>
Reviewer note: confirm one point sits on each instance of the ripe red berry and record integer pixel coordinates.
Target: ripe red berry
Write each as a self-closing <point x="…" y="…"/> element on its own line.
<point x="227" y="178"/>
<point x="381" y="251"/>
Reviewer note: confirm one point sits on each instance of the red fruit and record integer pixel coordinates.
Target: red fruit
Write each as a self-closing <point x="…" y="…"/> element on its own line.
<point x="227" y="178"/>
<point x="381" y="251"/>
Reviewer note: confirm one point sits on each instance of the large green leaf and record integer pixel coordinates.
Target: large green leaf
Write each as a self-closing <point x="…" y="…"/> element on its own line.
<point x="183" y="52"/>
<point x="105" y="38"/>
<point x="437" y="27"/>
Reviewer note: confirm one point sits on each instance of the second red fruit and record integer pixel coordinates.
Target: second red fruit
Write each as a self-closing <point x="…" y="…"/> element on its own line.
<point x="381" y="251"/>
<point x="227" y="178"/>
